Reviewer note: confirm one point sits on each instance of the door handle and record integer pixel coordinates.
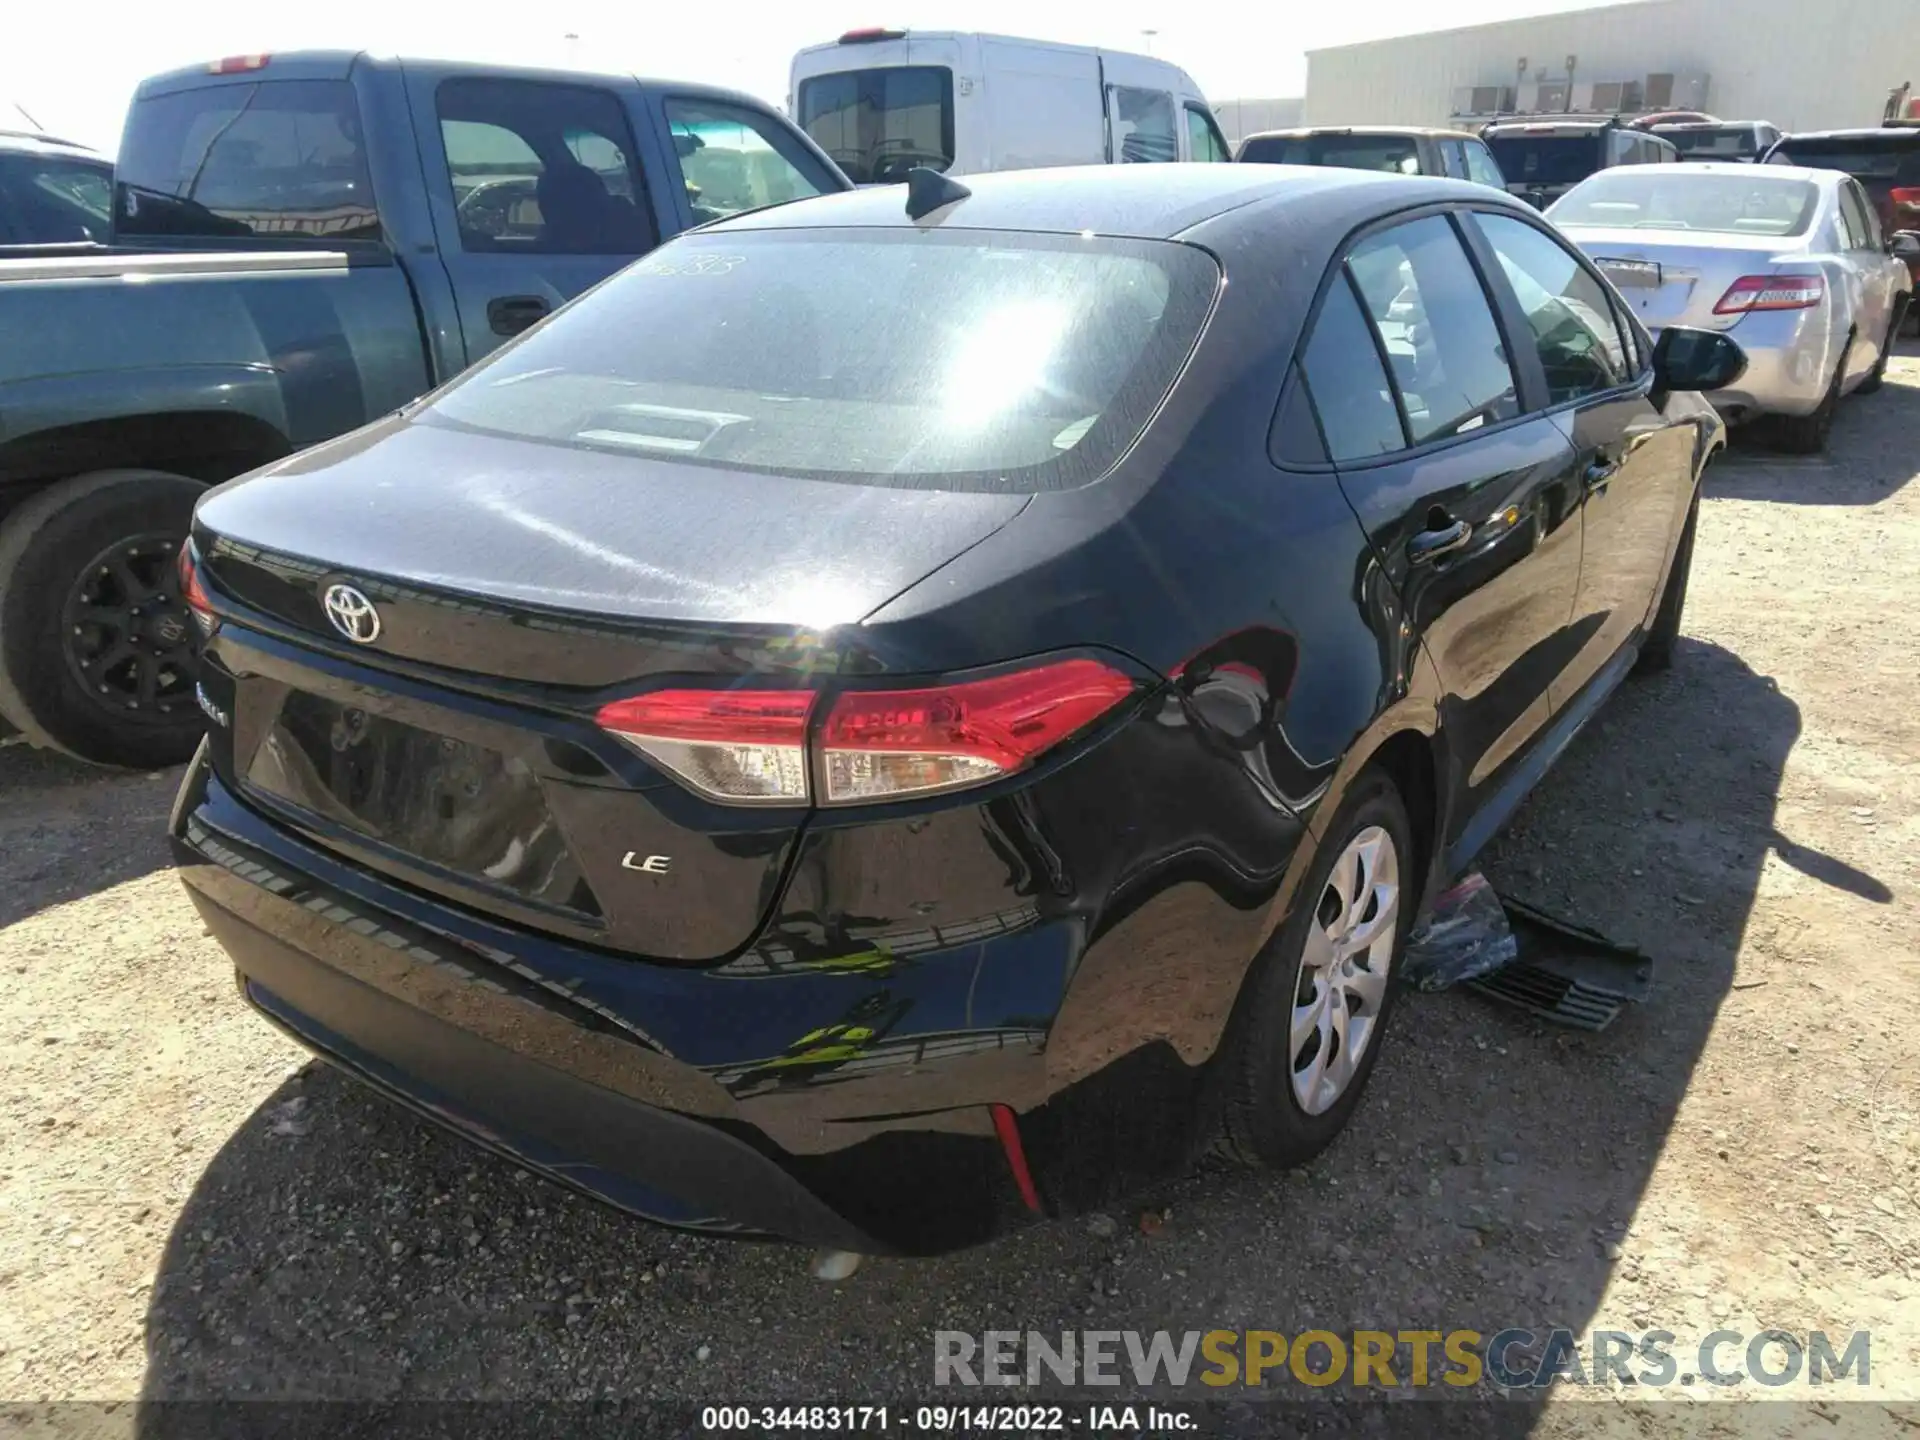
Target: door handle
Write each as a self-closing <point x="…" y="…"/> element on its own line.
<point x="1441" y="540"/>
<point x="510" y="314"/>
<point x="1599" y="475"/>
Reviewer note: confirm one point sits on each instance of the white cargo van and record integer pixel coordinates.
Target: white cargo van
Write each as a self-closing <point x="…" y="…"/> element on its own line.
<point x="883" y="101"/>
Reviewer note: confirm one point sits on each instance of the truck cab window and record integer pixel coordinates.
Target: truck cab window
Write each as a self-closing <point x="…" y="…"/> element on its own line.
<point x="279" y="159"/>
<point x="732" y="159"/>
<point x="542" y="169"/>
<point x="1143" y="125"/>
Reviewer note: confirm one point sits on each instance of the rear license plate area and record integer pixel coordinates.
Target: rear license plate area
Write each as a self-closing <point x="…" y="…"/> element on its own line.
<point x="455" y="805"/>
<point x="1631" y="274"/>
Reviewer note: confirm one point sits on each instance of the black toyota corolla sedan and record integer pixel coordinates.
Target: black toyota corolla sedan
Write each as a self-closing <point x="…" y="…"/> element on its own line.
<point x="875" y="727"/>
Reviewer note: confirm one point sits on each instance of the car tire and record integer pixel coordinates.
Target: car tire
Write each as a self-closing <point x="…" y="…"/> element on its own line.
<point x="1808" y="434"/>
<point x="95" y="645"/>
<point x="1656" y="651"/>
<point x="1267" y="1119"/>
<point x="1879" y="375"/>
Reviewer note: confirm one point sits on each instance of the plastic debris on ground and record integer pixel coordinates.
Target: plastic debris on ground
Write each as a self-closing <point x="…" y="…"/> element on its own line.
<point x="1512" y="952"/>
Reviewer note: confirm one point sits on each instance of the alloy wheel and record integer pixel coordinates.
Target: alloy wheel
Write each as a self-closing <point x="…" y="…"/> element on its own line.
<point x="1340" y="992"/>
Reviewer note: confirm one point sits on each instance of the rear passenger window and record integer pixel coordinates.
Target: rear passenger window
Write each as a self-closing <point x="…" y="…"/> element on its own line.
<point x="1454" y="156"/>
<point x="733" y="159"/>
<point x="1570" y="313"/>
<point x="540" y="169"/>
<point x="1480" y="166"/>
<point x="1348" y="388"/>
<point x="1433" y="320"/>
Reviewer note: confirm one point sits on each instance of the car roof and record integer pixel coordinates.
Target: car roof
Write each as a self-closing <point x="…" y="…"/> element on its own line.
<point x="1554" y="122"/>
<point x="1708" y="125"/>
<point x="1295" y="132"/>
<point x="1157" y="202"/>
<point x="27" y="142"/>
<point x="1908" y="133"/>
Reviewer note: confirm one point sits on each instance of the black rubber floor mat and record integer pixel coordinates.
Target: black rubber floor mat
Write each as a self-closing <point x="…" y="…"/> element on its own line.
<point x="1566" y="973"/>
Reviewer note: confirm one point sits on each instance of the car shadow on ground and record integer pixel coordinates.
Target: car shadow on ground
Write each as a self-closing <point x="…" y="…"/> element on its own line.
<point x="69" y="830"/>
<point x="1850" y="473"/>
<point x="337" y="1247"/>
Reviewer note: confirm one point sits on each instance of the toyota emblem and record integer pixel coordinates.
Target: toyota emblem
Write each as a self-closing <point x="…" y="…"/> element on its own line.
<point x="352" y="614"/>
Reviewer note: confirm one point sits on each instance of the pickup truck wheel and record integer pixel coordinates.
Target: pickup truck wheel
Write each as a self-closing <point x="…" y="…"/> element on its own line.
<point x="96" y="647"/>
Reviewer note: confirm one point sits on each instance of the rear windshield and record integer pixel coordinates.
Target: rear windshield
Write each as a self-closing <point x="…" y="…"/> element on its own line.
<point x="950" y="360"/>
<point x="49" y="199"/>
<point x="1396" y="154"/>
<point x="1546" y="159"/>
<point x="280" y="159"/>
<point x="1734" y="142"/>
<point x="1894" y="159"/>
<point x="1641" y="197"/>
<point x="878" y="124"/>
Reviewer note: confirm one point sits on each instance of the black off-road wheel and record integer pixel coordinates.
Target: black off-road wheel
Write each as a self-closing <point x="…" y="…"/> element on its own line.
<point x="96" y="644"/>
<point x="1308" y="1033"/>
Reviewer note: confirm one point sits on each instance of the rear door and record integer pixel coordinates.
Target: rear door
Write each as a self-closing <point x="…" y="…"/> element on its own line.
<point x="537" y="193"/>
<point x="1471" y="504"/>
<point x="1634" y="467"/>
<point x="1870" y="280"/>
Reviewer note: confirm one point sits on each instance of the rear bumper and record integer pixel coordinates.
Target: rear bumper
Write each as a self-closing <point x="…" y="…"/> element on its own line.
<point x="436" y="1009"/>
<point x="1790" y="362"/>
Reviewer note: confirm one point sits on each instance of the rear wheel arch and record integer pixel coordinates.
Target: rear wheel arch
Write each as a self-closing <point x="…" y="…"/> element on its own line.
<point x="1407" y="758"/>
<point x="204" y="445"/>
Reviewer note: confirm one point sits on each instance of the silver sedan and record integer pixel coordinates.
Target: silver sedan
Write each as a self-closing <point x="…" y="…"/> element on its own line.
<point x="1791" y="261"/>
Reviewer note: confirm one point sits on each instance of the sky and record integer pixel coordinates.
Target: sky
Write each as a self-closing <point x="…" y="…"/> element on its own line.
<point x="73" y="66"/>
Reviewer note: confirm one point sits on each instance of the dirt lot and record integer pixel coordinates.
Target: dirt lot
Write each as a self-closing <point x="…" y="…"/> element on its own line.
<point x="189" y="1210"/>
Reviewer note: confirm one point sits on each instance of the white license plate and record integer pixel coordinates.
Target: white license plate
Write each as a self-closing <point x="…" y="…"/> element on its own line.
<point x="1632" y="274"/>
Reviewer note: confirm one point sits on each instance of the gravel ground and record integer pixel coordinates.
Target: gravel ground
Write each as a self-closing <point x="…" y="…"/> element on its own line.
<point x="189" y="1209"/>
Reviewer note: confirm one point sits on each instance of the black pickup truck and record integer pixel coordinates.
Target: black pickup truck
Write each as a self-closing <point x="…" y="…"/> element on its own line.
<point x="301" y="244"/>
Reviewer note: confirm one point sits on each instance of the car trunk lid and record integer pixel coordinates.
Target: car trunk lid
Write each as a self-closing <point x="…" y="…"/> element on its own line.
<point x="517" y="588"/>
<point x="1670" y="280"/>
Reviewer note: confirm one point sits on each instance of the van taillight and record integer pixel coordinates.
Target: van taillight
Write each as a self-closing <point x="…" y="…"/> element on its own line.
<point x="238" y="64"/>
<point x="751" y="747"/>
<point x="1771" y="292"/>
<point x="871" y="34"/>
<point x="1907" y="195"/>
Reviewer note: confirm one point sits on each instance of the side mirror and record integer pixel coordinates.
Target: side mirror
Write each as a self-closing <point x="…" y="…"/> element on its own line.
<point x="1904" y="244"/>
<point x="1704" y="360"/>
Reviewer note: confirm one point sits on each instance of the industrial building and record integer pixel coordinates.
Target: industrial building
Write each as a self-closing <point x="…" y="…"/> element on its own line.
<point x="1804" y="67"/>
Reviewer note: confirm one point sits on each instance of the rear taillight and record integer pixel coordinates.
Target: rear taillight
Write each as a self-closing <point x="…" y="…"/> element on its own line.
<point x="1907" y="195"/>
<point x="194" y="593"/>
<point x="1771" y="292"/>
<point x="881" y="744"/>
<point x="747" y="747"/>
<point x="238" y="65"/>
<point x="750" y="747"/>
